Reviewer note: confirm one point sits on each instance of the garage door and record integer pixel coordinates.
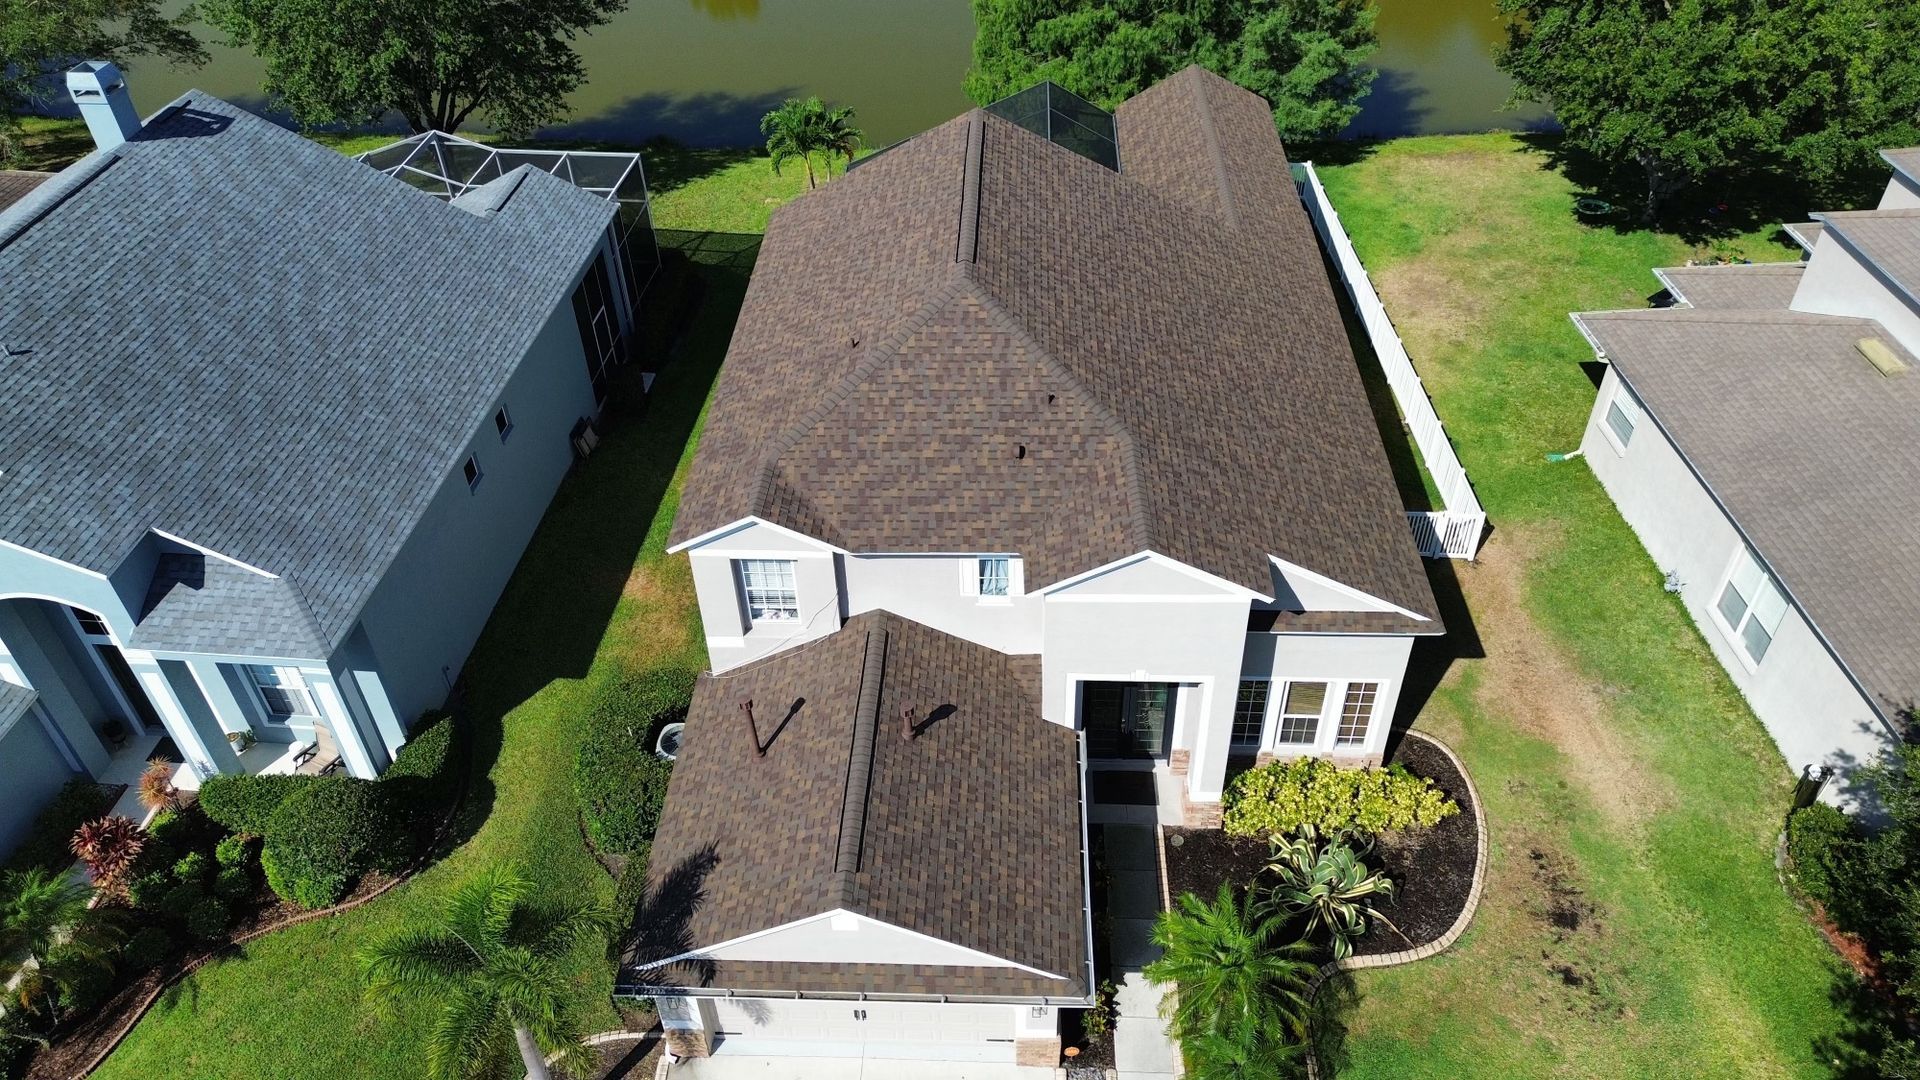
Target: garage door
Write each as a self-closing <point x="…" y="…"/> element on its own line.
<point x="873" y="1029"/>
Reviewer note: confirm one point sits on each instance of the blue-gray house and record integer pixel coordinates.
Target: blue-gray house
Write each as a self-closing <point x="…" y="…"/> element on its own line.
<point x="275" y="427"/>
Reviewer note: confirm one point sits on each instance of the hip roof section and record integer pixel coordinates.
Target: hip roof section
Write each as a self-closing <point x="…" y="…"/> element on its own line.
<point x="983" y="341"/>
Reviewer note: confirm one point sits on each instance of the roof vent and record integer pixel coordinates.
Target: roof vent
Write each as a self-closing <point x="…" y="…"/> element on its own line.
<point x="759" y="749"/>
<point x="1883" y="359"/>
<point x="100" y="91"/>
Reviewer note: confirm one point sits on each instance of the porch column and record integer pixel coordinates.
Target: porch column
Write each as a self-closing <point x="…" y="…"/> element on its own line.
<point x="347" y="733"/>
<point x="227" y="712"/>
<point x="190" y="722"/>
<point x="1212" y="724"/>
<point x="30" y="660"/>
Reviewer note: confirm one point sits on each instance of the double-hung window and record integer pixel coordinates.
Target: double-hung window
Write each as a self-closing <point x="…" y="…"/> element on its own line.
<point x="1622" y="417"/>
<point x="1250" y="714"/>
<point x="1300" y="713"/>
<point x="283" y="690"/>
<point x="1356" y="714"/>
<point x="1750" y="606"/>
<point x="769" y="589"/>
<point x="996" y="576"/>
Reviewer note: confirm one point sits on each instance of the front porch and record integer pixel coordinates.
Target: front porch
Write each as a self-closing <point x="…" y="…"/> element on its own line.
<point x="128" y="763"/>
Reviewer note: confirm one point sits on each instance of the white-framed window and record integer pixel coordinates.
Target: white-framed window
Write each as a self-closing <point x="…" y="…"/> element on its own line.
<point x="503" y="422"/>
<point x="1250" y="714"/>
<point x="768" y="586"/>
<point x="283" y="691"/>
<point x="1356" y="714"/>
<point x="1621" y="419"/>
<point x="995" y="575"/>
<point x="1300" y="711"/>
<point x="1750" y="606"/>
<point x="471" y="470"/>
<point x="93" y="626"/>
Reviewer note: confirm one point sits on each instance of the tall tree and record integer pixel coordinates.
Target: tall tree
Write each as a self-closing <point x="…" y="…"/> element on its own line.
<point x="38" y="37"/>
<point x="495" y="966"/>
<point x="1306" y="57"/>
<point x="438" y="63"/>
<point x="1682" y="89"/>
<point x="802" y="128"/>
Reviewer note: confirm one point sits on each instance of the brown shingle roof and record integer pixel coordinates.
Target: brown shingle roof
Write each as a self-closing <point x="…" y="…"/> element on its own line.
<point x="967" y="833"/>
<point x="1739" y="287"/>
<point x="982" y="341"/>
<point x="1810" y="450"/>
<point x="14" y="185"/>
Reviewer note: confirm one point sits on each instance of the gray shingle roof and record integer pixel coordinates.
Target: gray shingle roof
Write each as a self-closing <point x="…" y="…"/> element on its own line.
<point x="1740" y="287"/>
<point x="966" y="833"/>
<point x="1804" y="233"/>
<point x="1810" y="450"/>
<point x="1906" y="160"/>
<point x="982" y="341"/>
<point x="207" y="605"/>
<point x="1889" y="240"/>
<point x="228" y="333"/>
<point x="15" y="700"/>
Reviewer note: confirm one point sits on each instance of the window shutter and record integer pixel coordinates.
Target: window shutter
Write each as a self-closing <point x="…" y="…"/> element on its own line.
<point x="1016" y="577"/>
<point x="969" y="577"/>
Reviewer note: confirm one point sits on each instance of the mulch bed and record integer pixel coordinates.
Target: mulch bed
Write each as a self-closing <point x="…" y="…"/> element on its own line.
<point x="1432" y="869"/>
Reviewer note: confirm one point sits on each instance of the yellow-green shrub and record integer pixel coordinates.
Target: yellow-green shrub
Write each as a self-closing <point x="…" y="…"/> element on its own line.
<point x="1279" y="797"/>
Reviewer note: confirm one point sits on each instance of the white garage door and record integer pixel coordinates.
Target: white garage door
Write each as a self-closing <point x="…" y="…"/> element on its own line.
<point x="882" y="1029"/>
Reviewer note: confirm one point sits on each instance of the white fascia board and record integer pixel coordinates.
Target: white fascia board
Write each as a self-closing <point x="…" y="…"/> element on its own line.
<point x="1238" y="591"/>
<point x="24" y="550"/>
<point x="730" y="528"/>
<point x="1580" y="323"/>
<point x="1287" y="568"/>
<point x="1667" y="282"/>
<point x="205" y="550"/>
<point x="984" y="959"/>
<point x="700" y="953"/>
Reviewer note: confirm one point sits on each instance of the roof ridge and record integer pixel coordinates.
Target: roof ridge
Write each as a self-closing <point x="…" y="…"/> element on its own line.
<point x="853" y="802"/>
<point x="1130" y="448"/>
<point x="1212" y="136"/>
<point x="967" y="247"/>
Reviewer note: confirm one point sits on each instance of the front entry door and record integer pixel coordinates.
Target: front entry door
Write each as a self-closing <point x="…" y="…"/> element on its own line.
<point x="1127" y="720"/>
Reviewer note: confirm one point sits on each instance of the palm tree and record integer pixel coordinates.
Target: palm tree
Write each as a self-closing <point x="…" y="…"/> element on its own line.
<point x="495" y="965"/>
<point x="800" y="129"/>
<point x="1242" y="1051"/>
<point x="1230" y="968"/>
<point x="41" y="909"/>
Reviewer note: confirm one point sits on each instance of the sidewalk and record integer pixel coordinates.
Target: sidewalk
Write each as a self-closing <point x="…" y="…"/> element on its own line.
<point x="1141" y="1049"/>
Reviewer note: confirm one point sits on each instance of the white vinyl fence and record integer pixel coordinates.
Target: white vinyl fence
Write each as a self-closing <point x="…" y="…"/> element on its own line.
<point x="1454" y="530"/>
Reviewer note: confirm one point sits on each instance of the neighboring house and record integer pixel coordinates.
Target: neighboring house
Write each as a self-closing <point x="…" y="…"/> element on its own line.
<point x="1760" y="439"/>
<point x="1040" y="445"/>
<point x="274" y="430"/>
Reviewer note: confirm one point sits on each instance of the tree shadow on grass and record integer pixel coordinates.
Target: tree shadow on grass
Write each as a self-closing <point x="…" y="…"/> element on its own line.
<point x="1327" y="1020"/>
<point x="1856" y="1051"/>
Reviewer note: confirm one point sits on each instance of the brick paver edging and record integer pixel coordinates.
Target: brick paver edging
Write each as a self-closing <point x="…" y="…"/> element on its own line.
<point x="425" y="860"/>
<point x="1439" y="944"/>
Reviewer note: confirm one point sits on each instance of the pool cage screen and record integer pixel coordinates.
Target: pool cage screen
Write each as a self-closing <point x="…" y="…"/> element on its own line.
<point x="449" y="166"/>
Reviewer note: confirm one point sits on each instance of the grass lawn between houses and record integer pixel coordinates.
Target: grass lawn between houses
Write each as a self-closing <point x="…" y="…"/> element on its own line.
<point x="1632" y="924"/>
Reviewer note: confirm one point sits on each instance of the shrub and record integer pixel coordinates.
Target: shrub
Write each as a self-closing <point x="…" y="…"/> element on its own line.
<point x="619" y="782"/>
<point x="234" y="851"/>
<point x="207" y="919"/>
<point x="46" y="844"/>
<point x="185" y="829"/>
<point x="109" y="846"/>
<point x="148" y="891"/>
<point x="156" y="786"/>
<point x="148" y="946"/>
<point x="192" y="867"/>
<point x="17" y="1040"/>
<point x="1278" y="798"/>
<point x="247" y="803"/>
<point x="326" y="835"/>
<point x="182" y="899"/>
<point x="426" y="761"/>
<point x="1821" y="840"/>
<point x="1323" y="879"/>
<point x="233" y="882"/>
<point x="83" y="978"/>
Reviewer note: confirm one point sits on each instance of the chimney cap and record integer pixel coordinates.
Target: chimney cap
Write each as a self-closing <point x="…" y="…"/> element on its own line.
<point x="99" y="76"/>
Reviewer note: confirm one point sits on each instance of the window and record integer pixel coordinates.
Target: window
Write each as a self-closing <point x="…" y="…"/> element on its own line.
<point x="1356" y="714"/>
<point x="1250" y="714"/>
<point x="1622" y="417"/>
<point x="996" y="576"/>
<point x="1300" y="713"/>
<point x="599" y="327"/>
<point x="1750" y="606"/>
<point x="283" y="691"/>
<point x="471" y="470"/>
<point x="768" y="586"/>
<point x="503" y="423"/>
<point x="90" y="623"/>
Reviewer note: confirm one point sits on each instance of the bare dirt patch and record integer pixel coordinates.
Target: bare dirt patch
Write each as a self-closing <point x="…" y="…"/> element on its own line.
<point x="1528" y="680"/>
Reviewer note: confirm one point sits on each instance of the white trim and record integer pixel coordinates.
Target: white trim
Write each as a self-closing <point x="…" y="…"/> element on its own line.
<point x="60" y="562"/>
<point x="711" y="535"/>
<point x="1146" y="598"/>
<point x="769" y="553"/>
<point x="1660" y="274"/>
<point x="346" y="735"/>
<point x="842" y="913"/>
<point x="204" y="550"/>
<point x="1241" y="591"/>
<point x="1634" y="412"/>
<point x="726" y="643"/>
<point x="1342" y="588"/>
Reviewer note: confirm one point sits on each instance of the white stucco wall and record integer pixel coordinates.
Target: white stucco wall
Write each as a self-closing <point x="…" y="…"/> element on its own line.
<point x="1801" y="694"/>
<point x="847" y="938"/>
<point x="935" y="591"/>
<point x="1901" y="194"/>
<point x="1837" y="283"/>
<point x="1336" y="659"/>
<point x="732" y="639"/>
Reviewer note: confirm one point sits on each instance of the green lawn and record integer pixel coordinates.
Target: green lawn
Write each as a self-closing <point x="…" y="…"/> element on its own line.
<point x="594" y="594"/>
<point x="1632" y="925"/>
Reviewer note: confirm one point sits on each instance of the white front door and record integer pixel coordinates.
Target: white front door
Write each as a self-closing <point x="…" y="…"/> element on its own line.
<point x="928" y="1031"/>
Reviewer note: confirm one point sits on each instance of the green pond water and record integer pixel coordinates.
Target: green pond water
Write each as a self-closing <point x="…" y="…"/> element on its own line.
<point x="703" y="71"/>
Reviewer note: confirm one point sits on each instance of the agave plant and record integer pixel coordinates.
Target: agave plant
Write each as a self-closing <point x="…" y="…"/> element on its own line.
<point x="156" y="786"/>
<point x="109" y="846"/>
<point x="1324" y="879"/>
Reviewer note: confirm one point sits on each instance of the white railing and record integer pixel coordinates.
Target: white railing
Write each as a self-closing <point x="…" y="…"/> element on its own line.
<point x="1454" y="530"/>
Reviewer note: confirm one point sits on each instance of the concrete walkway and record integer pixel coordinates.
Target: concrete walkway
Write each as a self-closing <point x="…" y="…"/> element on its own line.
<point x="1141" y="1049"/>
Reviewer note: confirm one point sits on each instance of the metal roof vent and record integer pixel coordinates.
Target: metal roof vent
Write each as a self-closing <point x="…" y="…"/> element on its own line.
<point x="1883" y="358"/>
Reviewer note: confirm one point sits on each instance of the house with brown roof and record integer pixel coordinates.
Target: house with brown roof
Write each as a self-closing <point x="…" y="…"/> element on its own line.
<point x="1758" y="436"/>
<point x="1040" y="448"/>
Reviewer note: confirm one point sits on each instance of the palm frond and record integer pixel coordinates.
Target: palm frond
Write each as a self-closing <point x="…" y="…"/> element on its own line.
<point x="414" y="964"/>
<point x="552" y="929"/>
<point x="481" y="912"/>
<point x="470" y="1040"/>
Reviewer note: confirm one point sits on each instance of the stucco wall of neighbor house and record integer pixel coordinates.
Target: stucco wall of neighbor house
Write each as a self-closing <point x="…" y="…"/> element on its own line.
<point x="1837" y="283"/>
<point x="1901" y="194"/>
<point x="1336" y="660"/>
<point x="432" y="602"/>
<point x="32" y="769"/>
<point x="1801" y="694"/>
<point x="733" y="640"/>
<point x="940" y="592"/>
<point x="1194" y="639"/>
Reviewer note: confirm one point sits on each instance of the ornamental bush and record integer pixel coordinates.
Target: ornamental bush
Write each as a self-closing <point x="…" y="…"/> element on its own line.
<point x="45" y="846"/>
<point x="192" y="866"/>
<point x="424" y="766"/>
<point x="1823" y="842"/>
<point x="247" y="803"/>
<point x="233" y="851"/>
<point x="326" y="835"/>
<point x="207" y="919"/>
<point x="620" y="783"/>
<point x="148" y="946"/>
<point x="1277" y="798"/>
